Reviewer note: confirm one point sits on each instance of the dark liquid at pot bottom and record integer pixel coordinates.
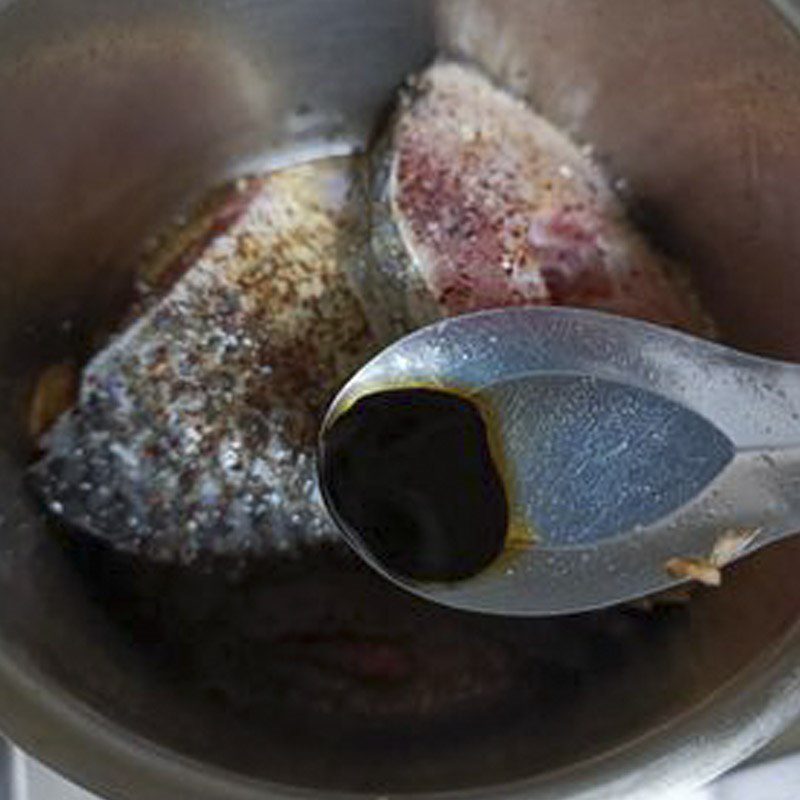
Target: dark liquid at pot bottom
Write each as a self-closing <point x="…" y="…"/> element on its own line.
<point x="410" y="474"/>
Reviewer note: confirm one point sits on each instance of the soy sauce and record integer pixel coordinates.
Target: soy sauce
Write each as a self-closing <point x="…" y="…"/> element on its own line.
<point x="410" y="475"/>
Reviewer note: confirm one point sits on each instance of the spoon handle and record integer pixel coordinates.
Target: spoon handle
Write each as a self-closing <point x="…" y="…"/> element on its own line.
<point x="756" y="403"/>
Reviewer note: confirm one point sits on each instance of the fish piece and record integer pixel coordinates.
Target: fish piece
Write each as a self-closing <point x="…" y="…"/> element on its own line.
<point x="696" y="569"/>
<point x="731" y="544"/>
<point x="708" y="570"/>
<point x="194" y="430"/>
<point x="478" y="202"/>
<point x="327" y="638"/>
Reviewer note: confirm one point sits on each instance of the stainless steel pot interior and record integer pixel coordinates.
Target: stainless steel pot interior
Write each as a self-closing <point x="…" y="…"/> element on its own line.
<point x="112" y="115"/>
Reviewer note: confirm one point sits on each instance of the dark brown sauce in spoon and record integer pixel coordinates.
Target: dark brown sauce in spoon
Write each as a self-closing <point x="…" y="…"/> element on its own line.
<point x="409" y="474"/>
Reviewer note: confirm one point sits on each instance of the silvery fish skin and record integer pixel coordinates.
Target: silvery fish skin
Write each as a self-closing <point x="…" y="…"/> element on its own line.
<point x="479" y="202"/>
<point x="194" y="430"/>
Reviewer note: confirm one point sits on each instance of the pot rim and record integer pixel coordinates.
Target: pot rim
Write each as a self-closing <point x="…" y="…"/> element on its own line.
<point x="688" y="750"/>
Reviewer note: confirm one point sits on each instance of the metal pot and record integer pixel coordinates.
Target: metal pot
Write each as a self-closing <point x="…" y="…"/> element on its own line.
<point x="111" y="116"/>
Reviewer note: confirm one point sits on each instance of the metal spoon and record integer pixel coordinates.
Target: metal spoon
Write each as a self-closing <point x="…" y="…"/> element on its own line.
<point x="627" y="445"/>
